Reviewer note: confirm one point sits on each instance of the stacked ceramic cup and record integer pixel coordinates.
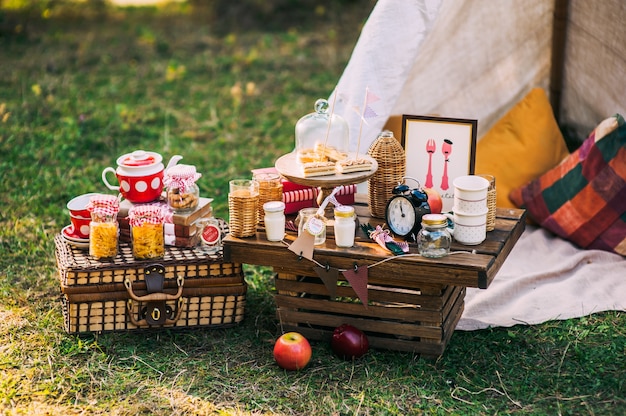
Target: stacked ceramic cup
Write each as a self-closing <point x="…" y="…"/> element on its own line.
<point x="470" y="209"/>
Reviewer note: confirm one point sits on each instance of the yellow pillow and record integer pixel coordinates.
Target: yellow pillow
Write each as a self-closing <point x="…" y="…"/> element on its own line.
<point x="524" y="144"/>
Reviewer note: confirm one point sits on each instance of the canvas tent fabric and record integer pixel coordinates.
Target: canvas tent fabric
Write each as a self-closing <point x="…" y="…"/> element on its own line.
<point x="474" y="59"/>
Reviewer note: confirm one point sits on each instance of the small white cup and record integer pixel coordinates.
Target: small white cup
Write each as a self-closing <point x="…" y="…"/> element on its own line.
<point x="469" y="229"/>
<point x="470" y="194"/>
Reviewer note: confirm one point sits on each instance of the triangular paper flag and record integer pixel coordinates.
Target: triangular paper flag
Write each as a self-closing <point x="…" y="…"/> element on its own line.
<point x="329" y="276"/>
<point x="369" y="112"/>
<point x="303" y="245"/>
<point x="357" y="278"/>
<point x="371" y="97"/>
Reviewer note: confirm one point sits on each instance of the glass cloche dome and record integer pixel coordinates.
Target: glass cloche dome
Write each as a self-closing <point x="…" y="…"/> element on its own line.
<point x="320" y="128"/>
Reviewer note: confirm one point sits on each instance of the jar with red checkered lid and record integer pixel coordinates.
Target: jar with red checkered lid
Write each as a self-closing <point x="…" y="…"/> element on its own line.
<point x="183" y="194"/>
<point x="146" y="231"/>
<point x="103" y="228"/>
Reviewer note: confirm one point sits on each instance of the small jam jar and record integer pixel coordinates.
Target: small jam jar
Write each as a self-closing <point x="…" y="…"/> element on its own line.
<point x="183" y="194"/>
<point x="345" y="226"/>
<point x="309" y="221"/>
<point x="434" y="239"/>
<point x="146" y="230"/>
<point x="210" y="234"/>
<point x="274" y="220"/>
<point x="103" y="228"/>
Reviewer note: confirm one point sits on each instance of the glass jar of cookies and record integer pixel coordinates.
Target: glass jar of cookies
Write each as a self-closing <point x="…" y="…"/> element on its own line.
<point x="183" y="193"/>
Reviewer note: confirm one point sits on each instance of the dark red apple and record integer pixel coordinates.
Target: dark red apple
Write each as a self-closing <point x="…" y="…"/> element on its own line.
<point x="434" y="200"/>
<point x="349" y="342"/>
<point x="292" y="351"/>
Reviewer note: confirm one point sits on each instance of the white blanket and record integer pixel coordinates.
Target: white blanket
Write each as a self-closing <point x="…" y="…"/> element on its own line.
<point x="547" y="278"/>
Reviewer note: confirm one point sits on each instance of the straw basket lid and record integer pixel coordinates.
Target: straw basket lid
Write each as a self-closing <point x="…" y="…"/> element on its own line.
<point x="386" y="149"/>
<point x="391" y="170"/>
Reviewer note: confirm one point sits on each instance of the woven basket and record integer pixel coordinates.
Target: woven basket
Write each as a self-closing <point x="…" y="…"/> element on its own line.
<point x="391" y="170"/>
<point x="270" y="189"/>
<point x="217" y="307"/>
<point x="96" y="294"/>
<point x="243" y="215"/>
<point x="491" y="202"/>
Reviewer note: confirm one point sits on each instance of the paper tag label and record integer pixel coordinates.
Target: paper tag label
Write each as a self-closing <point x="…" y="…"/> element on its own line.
<point x="314" y="226"/>
<point x="210" y="234"/>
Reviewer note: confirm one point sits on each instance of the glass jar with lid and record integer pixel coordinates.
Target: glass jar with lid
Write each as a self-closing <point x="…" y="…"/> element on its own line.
<point x="309" y="220"/>
<point x="146" y="231"/>
<point x="183" y="193"/>
<point x="321" y="133"/>
<point x="434" y="239"/>
<point x="274" y="220"/>
<point x="345" y="226"/>
<point x="103" y="228"/>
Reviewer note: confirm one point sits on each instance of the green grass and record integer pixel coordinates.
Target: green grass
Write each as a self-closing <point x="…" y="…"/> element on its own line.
<point x="80" y="87"/>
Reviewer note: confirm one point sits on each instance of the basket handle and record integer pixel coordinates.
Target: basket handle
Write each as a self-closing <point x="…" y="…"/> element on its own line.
<point x="155" y="297"/>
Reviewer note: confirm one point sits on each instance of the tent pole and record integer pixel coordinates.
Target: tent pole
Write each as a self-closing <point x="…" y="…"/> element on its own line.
<point x="559" y="35"/>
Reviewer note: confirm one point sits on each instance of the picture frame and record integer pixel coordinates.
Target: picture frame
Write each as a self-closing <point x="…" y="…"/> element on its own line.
<point x="438" y="150"/>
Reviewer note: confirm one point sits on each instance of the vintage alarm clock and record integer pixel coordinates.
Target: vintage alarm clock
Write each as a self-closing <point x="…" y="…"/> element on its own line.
<point x="405" y="209"/>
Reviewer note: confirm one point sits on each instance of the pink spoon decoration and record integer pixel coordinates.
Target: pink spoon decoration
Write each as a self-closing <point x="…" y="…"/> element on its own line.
<point x="446" y="149"/>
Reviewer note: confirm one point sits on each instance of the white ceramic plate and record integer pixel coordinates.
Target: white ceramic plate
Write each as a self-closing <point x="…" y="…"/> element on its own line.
<point x="70" y="237"/>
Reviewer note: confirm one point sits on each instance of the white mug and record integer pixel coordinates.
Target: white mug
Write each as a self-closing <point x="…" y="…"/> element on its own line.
<point x="469" y="229"/>
<point x="470" y="194"/>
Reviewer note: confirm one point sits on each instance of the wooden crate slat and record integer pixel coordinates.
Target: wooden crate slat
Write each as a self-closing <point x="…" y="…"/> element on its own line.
<point x="369" y="326"/>
<point x="409" y="314"/>
<point x="375" y="294"/>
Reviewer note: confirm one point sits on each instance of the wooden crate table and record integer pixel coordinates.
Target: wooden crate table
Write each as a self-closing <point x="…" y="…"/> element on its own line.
<point x="414" y="303"/>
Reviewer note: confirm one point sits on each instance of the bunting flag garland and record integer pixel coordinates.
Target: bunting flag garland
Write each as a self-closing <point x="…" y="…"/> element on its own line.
<point x="329" y="276"/>
<point x="357" y="278"/>
<point x="303" y="245"/>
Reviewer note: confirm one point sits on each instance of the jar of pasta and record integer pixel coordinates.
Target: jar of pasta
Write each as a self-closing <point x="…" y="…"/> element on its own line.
<point x="146" y="231"/>
<point x="103" y="228"/>
<point x="183" y="194"/>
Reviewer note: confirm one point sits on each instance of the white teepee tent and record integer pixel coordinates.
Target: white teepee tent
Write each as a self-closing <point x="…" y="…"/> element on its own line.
<point x="474" y="59"/>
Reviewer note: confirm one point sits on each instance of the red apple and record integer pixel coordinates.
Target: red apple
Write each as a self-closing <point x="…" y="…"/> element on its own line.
<point x="292" y="351"/>
<point x="349" y="342"/>
<point x="434" y="200"/>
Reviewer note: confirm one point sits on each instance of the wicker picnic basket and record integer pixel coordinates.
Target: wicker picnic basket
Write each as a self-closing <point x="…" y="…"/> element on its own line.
<point x="391" y="171"/>
<point x="186" y="288"/>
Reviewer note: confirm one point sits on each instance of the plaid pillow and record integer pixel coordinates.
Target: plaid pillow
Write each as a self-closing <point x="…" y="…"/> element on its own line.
<point x="583" y="199"/>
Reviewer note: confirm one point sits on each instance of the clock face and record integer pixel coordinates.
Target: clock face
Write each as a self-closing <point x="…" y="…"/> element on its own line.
<point x="400" y="216"/>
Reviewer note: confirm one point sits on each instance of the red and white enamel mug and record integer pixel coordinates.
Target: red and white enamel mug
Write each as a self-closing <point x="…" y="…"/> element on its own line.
<point x="140" y="175"/>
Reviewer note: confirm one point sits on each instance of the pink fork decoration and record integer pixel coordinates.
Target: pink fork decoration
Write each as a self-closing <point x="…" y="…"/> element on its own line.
<point x="446" y="149"/>
<point x="431" y="147"/>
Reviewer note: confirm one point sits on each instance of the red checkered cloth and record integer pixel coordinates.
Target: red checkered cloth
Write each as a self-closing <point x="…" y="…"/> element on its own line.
<point x="583" y="199"/>
<point x="145" y="214"/>
<point x="102" y="204"/>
